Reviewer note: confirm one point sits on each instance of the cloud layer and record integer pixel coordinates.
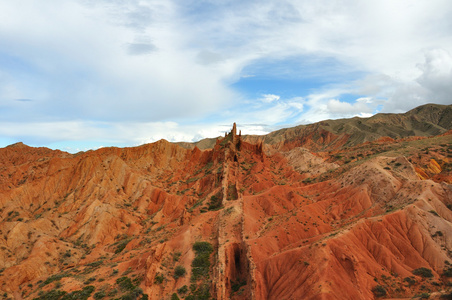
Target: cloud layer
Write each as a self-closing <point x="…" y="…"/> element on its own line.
<point x="129" y="72"/>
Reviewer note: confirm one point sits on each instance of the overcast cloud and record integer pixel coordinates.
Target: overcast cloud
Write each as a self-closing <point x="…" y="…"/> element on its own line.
<point x="79" y="74"/>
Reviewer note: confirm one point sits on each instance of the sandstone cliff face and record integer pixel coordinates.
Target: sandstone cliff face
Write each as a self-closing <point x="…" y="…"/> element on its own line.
<point x="239" y="221"/>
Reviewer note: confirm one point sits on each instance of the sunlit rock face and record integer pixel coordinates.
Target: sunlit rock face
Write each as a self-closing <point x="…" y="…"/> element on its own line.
<point x="345" y="209"/>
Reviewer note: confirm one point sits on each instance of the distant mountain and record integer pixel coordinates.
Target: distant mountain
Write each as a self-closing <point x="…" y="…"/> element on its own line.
<point x="425" y="120"/>
<point x="341" y="209"/>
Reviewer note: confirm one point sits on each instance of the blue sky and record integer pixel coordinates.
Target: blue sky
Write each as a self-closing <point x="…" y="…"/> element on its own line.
<point x="82" y="74"/>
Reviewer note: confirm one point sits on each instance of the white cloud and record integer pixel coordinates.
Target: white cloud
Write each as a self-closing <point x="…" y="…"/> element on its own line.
<point x="153" y="65"/>
<point x="367" y="100"/>
<point x="85" y="61"/>
<point x="98" y="134"/>
<point x="436" y="75"/>
<point x="346" y="109"/>
<point x="268" y="98"/>
<point x="433" y="84"/>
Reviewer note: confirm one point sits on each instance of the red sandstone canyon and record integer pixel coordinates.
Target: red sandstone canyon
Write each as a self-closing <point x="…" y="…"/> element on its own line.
<point x="342" y="209"/>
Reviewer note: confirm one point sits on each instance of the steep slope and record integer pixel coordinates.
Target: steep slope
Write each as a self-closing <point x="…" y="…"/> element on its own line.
<point x="372" y="226"/>
<point x="426" y="120"/>
<point x="62" y="211"/>
<point x="423" y="121"/>
<point x="234" y="222"/>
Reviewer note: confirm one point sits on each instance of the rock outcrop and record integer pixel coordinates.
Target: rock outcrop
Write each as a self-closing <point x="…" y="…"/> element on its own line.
<point x="243" y="220"/>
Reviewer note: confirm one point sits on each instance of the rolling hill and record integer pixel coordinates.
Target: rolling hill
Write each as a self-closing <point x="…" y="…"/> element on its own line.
<point x="341" y="209"/>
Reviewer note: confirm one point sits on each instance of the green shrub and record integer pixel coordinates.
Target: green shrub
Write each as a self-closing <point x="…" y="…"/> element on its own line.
<point x="51" y="295"/>
<point x="202" y="247"/>
<point x="175" y="297"/>
<point x="201" y="262"/>
<point x="437" y="233"/>
<point x="89" y="280"/>
<point x="125" y="284"/>
<point x="53" y="278"/>
<point x="410" y="280"/>
<point x="134" y="294"/>
<point x="379" y="291"/>
<point x="99" y="295"/>
<point x="177" y="255"/>
<point x="179" y="271"/>
<point x="423" y="272"/>
<point x="96" y="264"/>
<point x="183" y="290"/>
<point x="112" y="293"/>
<point x="84" y="294"/>
<point x="433" y="212"/>
<point x="202" y="293"/>
<point x="235" y="286"/>
<point x="159" y="278"/>
<point x="122" y="245"/>
<point x="216" y="201"/>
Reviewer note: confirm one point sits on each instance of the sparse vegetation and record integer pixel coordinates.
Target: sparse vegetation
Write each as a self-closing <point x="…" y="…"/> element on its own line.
<point x="142" y="204"/>
<point x="437" y="233"/>
<point x="201" y="292"/>
<point x="51" y="295"/>
<point x="83" y="294"/>
<point x="423" y="272"/>
<point x="89" y="280"/>
<point x="200" y="288"/>
<point x="176" y="255"/>
<point x="216" y="201"/>
<point x="232" y="192"/>
<point x="447" y="272"/>
<point x="99" y="295"/>
<point x="433" y="212"/>
<point x="179" y="271"/>
<point x="379" y="291"/>
<point x="122" y="245"/>
<point x="183" y="290"/>
<point x="174" y="296"/>
<point x="228" y="210"/>
<point x="53" y="278"/>
<point x="236" y="285"/>
<point x="201" y="262"/>
<point x="410" y="280"/>
<point x="125" y="283"/>
<point x="159" y="278"/>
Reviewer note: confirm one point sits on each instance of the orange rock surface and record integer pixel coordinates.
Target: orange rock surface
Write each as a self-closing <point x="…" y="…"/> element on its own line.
<point x="283" y="222"/>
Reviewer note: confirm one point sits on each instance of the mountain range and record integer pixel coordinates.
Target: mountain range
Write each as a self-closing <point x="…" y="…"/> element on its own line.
<point x="355" y="208"/>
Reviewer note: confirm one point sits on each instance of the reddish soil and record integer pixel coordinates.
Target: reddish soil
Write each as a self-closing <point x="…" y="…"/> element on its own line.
<point x="283" y="222"/>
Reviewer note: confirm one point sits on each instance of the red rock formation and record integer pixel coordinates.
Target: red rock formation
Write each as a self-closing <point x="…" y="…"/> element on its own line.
<point x="296" y="224"/>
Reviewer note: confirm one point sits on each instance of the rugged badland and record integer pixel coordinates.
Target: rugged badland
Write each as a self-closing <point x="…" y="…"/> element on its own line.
<point x="341" y="209"/>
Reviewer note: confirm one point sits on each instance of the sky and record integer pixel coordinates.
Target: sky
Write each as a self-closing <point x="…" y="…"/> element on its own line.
<point x="84" y="74"/>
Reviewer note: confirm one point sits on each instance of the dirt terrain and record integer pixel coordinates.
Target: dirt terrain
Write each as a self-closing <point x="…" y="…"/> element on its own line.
<point x="344" y="209"/>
